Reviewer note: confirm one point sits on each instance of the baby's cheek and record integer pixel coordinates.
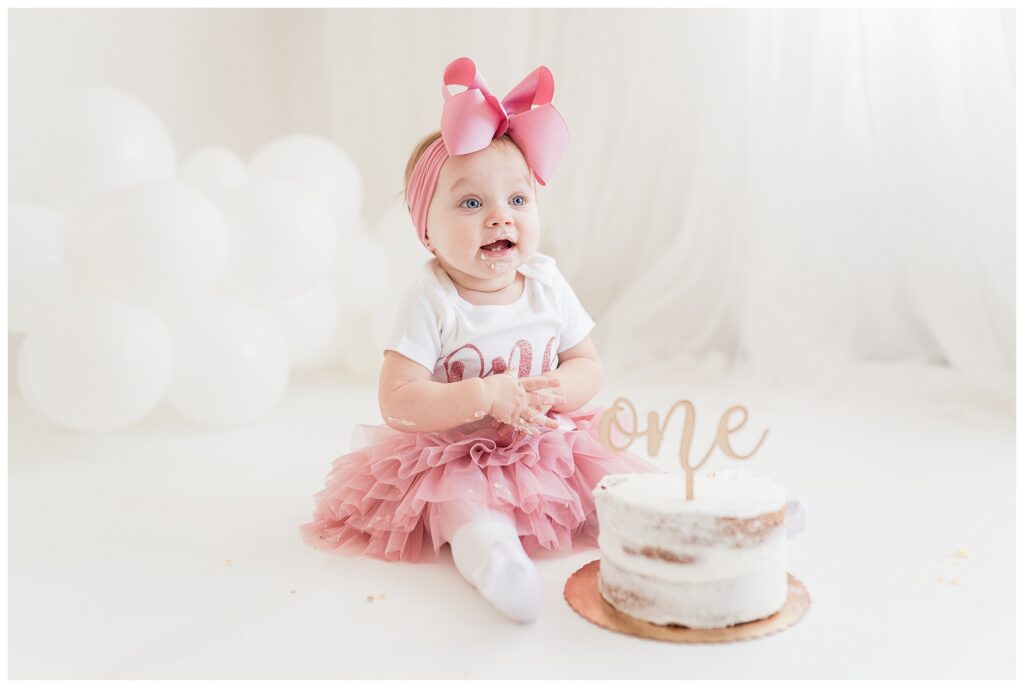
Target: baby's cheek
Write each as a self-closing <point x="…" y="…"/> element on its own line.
<point x="528" y="245"/>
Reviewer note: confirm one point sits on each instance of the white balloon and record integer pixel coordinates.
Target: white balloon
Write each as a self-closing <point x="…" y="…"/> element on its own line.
<point x="384" y="315"/>
<point x="231" y="365"/>
<point x="329" y="355"/>
<point x="94" y="141"/>
<point x="159" y="244"/>
<point x="308" y="322"/>
<point x="36" y="271"/>
<point x="396" y="234"/>
<point x="282" y="239"/>
<point x="362" y="281"/>
<point x="362" y="274"/>
<point x="361" y="357"/>
<point x="14" y="341"/>
<point x="96" y="366"/>
<point x="363" y="350"/>
<point x="24" y="167"/>
<point x="318" y="163"/>
<point x="214" y="170"/>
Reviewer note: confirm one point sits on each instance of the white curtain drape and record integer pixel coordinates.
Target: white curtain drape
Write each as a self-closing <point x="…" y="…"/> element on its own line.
<point x="775" y="191"/>
<point x="790" y="190"/>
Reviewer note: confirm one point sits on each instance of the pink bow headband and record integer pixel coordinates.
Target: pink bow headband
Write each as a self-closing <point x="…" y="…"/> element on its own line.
<point x="472" y="119"/>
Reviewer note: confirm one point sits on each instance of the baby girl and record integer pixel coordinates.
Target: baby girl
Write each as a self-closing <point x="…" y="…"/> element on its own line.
<point x="487" y="446"/>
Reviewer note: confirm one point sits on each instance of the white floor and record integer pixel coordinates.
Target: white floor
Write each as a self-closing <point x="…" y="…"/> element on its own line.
<point x="171" y="551"/>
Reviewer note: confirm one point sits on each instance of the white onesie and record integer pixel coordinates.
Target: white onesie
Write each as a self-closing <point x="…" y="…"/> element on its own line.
<point x="456" y="340"/>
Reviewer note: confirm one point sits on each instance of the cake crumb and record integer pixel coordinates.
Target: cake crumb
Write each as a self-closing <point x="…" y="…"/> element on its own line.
<point x="401" y="421"/>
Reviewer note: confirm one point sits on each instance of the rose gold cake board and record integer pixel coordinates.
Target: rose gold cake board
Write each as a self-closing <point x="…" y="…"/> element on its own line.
<point x="583" y="596"/>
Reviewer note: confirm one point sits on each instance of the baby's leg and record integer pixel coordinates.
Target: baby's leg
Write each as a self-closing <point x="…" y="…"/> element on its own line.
<point x="488" y="554"/>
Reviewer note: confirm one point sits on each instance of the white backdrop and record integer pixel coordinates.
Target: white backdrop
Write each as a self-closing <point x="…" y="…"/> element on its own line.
<point x="796" y="190"/>
<point x="804" y="188"/>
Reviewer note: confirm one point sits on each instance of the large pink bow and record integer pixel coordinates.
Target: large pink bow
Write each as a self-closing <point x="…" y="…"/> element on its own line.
<point x="473" y="118"/>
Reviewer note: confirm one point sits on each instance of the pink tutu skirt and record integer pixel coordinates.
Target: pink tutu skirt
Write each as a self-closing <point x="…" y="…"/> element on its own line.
<point x="400" y="496"/>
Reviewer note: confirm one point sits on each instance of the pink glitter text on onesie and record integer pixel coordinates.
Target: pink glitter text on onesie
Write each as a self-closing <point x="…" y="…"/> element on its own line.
<point x="455" y="371"/>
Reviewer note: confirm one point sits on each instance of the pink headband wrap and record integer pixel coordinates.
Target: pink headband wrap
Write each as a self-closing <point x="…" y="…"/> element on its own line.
<point x="470" y="120"/>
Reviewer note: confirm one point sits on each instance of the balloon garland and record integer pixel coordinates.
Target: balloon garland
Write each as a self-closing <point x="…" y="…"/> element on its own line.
<point x="138" y="281"/>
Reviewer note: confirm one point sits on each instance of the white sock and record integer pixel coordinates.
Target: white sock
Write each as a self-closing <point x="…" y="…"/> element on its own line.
<point x="488" y="554"/>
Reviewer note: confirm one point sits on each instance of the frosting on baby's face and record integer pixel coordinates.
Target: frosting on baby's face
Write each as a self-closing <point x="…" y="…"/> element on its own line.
<point x="483" y="221"/>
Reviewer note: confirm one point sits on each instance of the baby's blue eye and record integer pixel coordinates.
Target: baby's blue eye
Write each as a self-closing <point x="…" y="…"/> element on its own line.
<point x="521" y="198"/>
<point x="471" y="200"/>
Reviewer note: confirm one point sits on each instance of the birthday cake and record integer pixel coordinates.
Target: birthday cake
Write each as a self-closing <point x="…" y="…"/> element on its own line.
<point x="714" y="561"/>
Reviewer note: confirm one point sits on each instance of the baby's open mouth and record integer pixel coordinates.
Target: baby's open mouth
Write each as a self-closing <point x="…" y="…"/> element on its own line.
<point x="498" y="247"/>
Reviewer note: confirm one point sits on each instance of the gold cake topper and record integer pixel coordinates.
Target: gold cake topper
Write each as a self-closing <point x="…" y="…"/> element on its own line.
<point x="655" y="431"/>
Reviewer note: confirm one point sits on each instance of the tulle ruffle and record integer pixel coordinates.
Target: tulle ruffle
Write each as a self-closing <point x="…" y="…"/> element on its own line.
<point x="399" y="496"/>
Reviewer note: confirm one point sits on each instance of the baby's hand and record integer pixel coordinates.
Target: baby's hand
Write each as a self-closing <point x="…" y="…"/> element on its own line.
<point x="550" y="399"/>
<point x="517" y="401"/>
<point x="504" y="429"/>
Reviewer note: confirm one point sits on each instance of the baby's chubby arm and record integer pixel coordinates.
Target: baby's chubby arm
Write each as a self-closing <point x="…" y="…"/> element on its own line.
<point x="411" y="401"/>
<point x="579" y="374"/>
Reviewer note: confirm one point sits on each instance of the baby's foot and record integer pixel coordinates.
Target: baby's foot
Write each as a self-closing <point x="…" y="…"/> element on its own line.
<point x="511" y="583"/>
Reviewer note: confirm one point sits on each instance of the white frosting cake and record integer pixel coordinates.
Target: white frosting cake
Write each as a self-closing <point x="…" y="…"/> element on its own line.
<point x="716" y="560"/>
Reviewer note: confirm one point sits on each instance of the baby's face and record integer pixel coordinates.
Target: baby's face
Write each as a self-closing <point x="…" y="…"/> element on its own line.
<point x="482" y="198"/>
